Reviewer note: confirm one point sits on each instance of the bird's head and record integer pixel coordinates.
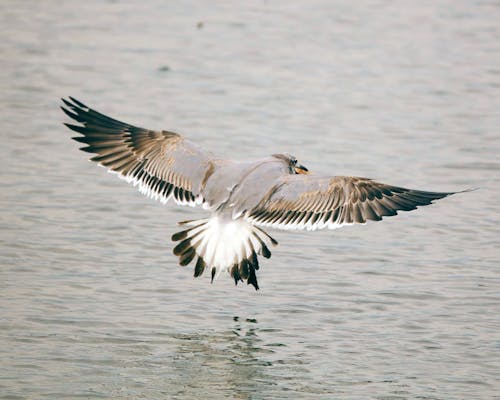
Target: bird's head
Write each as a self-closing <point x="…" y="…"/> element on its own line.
<point x="294" y="165"/>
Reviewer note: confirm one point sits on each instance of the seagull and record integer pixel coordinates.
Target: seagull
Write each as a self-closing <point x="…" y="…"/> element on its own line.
<point x="243" y="197"/>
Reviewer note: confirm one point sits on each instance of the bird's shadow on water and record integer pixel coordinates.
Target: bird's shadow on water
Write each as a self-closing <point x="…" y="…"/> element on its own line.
<point x="236" y="362"/>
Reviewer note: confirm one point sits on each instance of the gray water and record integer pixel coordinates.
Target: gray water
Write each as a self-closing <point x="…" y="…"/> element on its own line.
<point x="92" y="302"/>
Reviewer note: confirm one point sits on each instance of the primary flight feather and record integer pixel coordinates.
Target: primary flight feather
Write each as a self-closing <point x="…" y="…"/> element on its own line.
<point x="243" y="197"/>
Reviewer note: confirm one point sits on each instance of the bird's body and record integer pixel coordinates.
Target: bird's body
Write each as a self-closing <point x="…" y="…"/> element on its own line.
<point x="243" y="196"/>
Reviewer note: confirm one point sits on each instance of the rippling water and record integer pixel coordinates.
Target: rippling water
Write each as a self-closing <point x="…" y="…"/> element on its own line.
<point x="92" y="302"/>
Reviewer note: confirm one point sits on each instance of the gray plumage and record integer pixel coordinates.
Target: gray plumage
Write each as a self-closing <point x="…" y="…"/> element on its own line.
<point x="243" y="197"/>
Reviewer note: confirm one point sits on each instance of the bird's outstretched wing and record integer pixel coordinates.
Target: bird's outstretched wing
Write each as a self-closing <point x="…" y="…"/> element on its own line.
<point x="310" y="202"/>
<point x="163" y="164"/>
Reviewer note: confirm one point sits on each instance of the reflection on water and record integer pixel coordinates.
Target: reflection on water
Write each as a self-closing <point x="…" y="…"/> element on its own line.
<point x="237" y="363"/>
<point x="234" y="361"/>
<point x="92" y="302"/>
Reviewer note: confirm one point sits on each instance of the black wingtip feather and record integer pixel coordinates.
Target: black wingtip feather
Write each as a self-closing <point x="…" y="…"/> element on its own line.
<point x="266" y="252"/>
<point x="235" y="274"/>
<point x="252" y="278"/>
<point x="243" y="269"/>
<point x="179" y="235"/>
<point x="78" y="103"/>
<point x="199" y="267"/>
<point x="70" y="114"/>
<point x="187" y="257"/>
<point x="81" y="139"/>
<point x="88" y="149"/>
<point x="182" y="247"/>
<point x="67" y="103"/>
<point x="76" y="128"/>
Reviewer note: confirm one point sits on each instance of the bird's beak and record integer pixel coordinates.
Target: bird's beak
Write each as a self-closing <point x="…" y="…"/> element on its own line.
<point x="300" y="169"/>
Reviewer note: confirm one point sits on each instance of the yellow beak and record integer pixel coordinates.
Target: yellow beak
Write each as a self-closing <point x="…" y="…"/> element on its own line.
<point x="300" y="169"/>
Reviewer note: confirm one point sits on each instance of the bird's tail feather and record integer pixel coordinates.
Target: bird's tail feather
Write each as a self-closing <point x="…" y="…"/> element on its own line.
<point x="221" y="244"/>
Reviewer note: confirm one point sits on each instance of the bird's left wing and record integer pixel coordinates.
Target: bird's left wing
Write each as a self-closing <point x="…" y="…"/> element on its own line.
<point x="163" y="164"/>
<point x="311" y="202"/>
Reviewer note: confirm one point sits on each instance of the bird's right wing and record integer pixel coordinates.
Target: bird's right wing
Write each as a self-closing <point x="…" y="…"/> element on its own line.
<point x="163" y="164"/>
<point x="310" y="202"/>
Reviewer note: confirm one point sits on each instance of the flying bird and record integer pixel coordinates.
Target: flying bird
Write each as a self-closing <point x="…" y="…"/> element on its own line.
<point x="243" y="197"/>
